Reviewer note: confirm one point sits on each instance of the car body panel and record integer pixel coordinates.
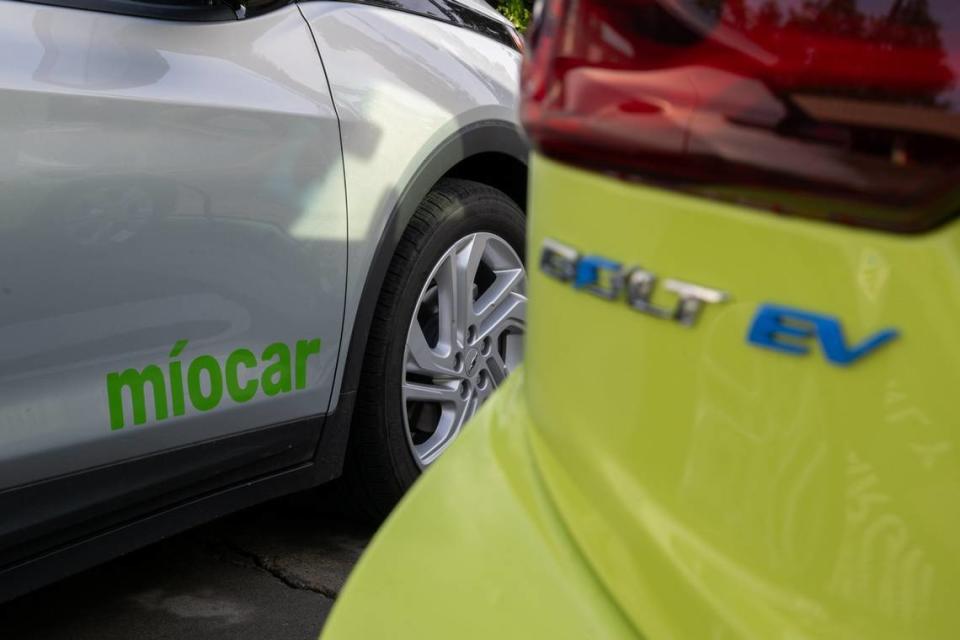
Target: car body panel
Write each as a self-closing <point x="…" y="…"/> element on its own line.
<point x="772" y="494"/>
<point x="403" y="85"/>
<point x="162" y="181"/>
<point x="500" y="563"/>
<point x="714" y="488"/>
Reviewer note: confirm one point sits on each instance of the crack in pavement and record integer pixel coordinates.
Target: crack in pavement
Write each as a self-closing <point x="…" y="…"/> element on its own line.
<point x="276" y="571"/>
<point x="306" y="557"/>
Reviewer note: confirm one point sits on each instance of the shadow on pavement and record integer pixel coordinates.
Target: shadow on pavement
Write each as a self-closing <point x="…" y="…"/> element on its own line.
<point x="271" y="571"/>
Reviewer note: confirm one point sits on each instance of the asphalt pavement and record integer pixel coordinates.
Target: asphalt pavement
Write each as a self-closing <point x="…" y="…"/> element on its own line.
<point x="271" y="572"/>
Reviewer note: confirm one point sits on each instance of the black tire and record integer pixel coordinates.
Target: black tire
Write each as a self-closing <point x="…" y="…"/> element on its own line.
<point x="380" y="466"/>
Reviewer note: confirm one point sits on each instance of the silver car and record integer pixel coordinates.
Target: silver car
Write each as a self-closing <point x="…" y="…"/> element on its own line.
<point x="245" y="249"/>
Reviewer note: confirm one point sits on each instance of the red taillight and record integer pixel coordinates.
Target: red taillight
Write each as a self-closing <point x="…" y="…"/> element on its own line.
<point x="816" y="108"/>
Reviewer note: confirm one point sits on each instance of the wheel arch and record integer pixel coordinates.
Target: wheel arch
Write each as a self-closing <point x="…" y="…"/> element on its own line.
<point x="496" y="169"/>
<point x="478" y="151"/>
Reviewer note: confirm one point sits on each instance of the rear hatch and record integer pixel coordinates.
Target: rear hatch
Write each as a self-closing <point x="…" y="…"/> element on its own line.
<point x="744" y="347"/>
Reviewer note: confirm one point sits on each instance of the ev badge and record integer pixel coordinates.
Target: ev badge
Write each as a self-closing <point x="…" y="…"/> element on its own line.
<point x="790" y="330"/>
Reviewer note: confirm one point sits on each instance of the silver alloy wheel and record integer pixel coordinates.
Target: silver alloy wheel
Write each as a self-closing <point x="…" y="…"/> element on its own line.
<point x="466" y="335"/>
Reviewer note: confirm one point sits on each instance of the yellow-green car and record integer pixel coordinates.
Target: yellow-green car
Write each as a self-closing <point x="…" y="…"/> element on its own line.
<point x="739" y="408"/>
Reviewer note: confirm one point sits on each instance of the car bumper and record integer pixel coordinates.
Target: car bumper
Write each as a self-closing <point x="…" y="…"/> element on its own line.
<point x="477" y="550"/>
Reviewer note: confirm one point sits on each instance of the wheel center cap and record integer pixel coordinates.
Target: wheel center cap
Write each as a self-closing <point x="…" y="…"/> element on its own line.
<point x="471" y="361"/>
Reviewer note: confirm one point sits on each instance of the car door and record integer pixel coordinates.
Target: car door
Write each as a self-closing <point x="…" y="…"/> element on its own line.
<point x="172" y="249"/>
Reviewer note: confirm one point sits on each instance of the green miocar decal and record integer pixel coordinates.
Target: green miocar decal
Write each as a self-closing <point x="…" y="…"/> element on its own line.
<point x="283" y="370"/>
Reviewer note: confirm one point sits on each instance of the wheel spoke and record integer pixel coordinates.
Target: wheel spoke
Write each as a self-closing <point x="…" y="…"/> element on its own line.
<point x="469" y="257"/>
<point x="426" y="392"/>
<point x="448" y="428"/>
<point x="496" y="366"/>
<point x="503" y="308"/>
<point x="507" y="282"/>
<point x="506" y="290"/>
<point x="450" y="304"/>
<point x="422" y="358"/>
